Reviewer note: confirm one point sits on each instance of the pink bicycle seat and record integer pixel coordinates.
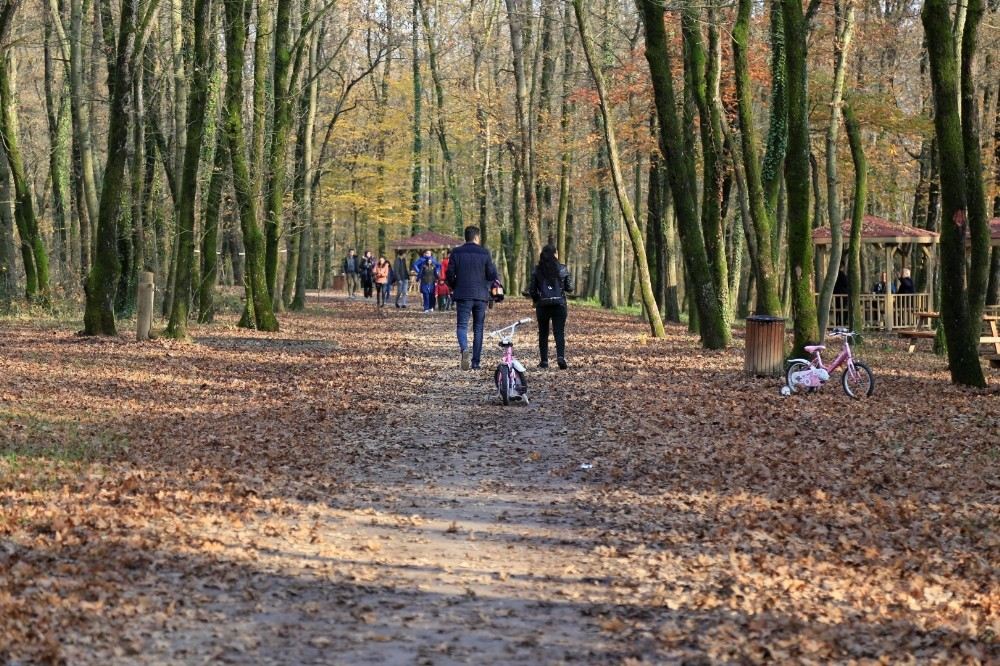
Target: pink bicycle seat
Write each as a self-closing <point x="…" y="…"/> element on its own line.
<point x="811" y="349"/>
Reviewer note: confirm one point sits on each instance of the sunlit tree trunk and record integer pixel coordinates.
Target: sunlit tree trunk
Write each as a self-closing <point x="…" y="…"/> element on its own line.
<point x="628" y="212"/>
<point x="515" y="17"/>
<point x="714" y="332"/>
<point x="843" y="30"/>
<point x="33" y="252"/>
<point x="417" y="154"/>
<point x="857" y="320"/>
<point x="259" y="313"/>
<point x="8" y="253"/>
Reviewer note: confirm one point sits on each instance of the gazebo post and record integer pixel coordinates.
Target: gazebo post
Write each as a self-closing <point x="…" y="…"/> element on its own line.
<point x="929" y="258"/>
<point x="890" y="281"/>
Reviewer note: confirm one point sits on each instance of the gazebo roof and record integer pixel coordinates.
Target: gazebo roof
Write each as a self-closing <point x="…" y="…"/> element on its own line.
<point x="427" y="240"/>
<point x="880" y="230"/>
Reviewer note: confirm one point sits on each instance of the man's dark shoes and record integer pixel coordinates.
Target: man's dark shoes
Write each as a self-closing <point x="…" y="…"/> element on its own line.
<point x="543" y="364"/>
<point x="562" y="363"/>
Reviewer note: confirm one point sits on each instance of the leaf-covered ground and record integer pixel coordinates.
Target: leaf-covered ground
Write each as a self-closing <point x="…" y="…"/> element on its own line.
<point x="341" y="493"/>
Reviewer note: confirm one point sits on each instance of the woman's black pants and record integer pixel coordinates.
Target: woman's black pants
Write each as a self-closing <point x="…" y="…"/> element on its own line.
<point x="556" y="315"/>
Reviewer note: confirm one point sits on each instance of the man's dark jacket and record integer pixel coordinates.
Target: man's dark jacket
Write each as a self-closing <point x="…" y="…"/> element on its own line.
<point x="471" y="273"/>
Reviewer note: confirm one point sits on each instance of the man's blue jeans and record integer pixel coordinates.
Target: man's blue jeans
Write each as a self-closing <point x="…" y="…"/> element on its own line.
<point x="401" y="287"/>
<point x="478" y="311"/>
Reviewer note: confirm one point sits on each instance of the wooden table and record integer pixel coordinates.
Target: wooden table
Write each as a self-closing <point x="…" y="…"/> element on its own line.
<point x="923" y="329"/>
<point x="991" y="336"/>
<point x="990" y="333"/>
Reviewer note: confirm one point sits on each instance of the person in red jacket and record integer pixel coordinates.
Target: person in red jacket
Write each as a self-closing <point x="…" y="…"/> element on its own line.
<point x="443" y="294"/>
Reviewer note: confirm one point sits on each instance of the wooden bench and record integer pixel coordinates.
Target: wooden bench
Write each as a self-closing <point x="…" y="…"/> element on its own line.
<point x="922" y="330"/>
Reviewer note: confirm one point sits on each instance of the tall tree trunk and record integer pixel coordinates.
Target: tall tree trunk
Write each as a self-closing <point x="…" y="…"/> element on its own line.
<point x="304" y="158"/>
<point x="800" y="243"/>
<point x="843" y="30"/>
<point x="418" y="148"/>
<point x="855" y="285"/>
<point x="57" y="113"/>
<point x="628" y="212"/>
<point x="259" y="312"/>
<point x="8" y="253"/>
<point x="210" y="232"/>
<point x="609" y="286"/>
<point x="515" y="18"/>
<point x="565" y="118"/>
<point x="83" y="148"/>
<point x="194" y="136"/>
<point x="35" y="259"/>
<point x="283" y="77"/>
<point x="99" y="316"/>
<point x="714" y="332"/>
<point x="442" y="135"/>
<point x="958" y="313"/>
<point x="761" y="182"/>
<point x="704" y="78"/>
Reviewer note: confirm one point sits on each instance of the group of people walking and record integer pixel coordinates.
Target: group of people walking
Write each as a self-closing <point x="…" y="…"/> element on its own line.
<point x="465" y="280"/>
<point x="378" y="277"/>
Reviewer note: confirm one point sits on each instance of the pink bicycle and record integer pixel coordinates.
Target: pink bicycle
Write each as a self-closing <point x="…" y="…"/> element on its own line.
<point x="510" y="373"/>
<point x="808" y="375"/>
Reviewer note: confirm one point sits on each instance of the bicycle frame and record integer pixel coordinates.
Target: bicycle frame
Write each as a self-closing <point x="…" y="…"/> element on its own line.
<point x="506" y="337"/>
<point x="844" y="356"/>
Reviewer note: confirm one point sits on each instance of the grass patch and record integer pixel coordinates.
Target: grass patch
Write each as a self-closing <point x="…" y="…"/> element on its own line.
<point x="593" y="303"/>
<point x="27" y="436"/>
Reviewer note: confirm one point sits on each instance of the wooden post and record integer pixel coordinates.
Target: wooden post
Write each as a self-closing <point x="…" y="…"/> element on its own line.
<point x="144" y="303"/>
<point x="890" y="280"/>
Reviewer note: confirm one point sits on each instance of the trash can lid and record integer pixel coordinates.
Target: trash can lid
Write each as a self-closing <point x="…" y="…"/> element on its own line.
<point x="765" y="318"/>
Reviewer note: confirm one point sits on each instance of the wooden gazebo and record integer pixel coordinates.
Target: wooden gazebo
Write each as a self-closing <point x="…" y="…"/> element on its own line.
<point x="886" y="310"/>
<point x="427" y="240"/>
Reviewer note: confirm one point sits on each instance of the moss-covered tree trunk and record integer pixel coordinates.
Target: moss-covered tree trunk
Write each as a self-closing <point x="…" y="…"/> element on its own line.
<point x="628" y="212"/>
<point x="304" y="173"/>
<point x="961" y="326"/>
<point x="857" y="319"/>
<point x="417" y="152"/>
<point x="210" y="233"/>
<point x="99" y="316"/>
<point x="8" y="253"/>
<point x="195" y="135"/>
<point x="800" y="243"/>
<point x="36" y="264"/>
<point x="704" y="78"/>
<point x="565" y="117"/>
<point x="57" y="114"/>
<point x="714" y="332"/>
<point x="259" y="311"/>
<point x="760" y="183"/>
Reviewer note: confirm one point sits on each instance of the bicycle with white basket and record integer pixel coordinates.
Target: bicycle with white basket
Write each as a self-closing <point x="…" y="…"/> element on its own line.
<point x="510" y="379"/>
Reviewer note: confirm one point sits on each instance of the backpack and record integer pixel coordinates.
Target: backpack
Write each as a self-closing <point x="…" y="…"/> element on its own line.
<point x="550" y="292"/>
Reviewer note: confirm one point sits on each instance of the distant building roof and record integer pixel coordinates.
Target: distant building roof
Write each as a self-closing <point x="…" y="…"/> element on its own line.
<point x="427" y="240"/>
<point x="879" y="230"/>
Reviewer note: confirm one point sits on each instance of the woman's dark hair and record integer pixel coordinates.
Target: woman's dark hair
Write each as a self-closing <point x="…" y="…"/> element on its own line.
<point x="548" y="265"/>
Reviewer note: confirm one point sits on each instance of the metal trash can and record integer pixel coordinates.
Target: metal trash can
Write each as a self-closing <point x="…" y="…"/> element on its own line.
<point x="765" y="346"/>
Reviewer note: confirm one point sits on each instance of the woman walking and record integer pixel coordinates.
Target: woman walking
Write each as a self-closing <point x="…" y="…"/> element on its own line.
<point x="365" y="273"/>
<point x="381" y="276"/>
<point x="550" y="283"/>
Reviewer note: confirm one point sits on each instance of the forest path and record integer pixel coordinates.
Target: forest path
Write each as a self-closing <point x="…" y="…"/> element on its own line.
<point x="341" y="493"/>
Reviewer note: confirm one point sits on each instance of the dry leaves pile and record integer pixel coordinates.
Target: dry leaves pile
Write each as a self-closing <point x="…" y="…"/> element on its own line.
<point x="341" y="492"/>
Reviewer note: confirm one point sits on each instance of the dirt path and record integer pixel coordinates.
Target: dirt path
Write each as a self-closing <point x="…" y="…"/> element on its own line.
<point x="340" y="493"/>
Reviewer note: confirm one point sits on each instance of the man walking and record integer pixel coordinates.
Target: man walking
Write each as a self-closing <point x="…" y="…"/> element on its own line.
<point x="351" y="267"/>
<point x="402" y="275"/>
<point x="470" y="275"/>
